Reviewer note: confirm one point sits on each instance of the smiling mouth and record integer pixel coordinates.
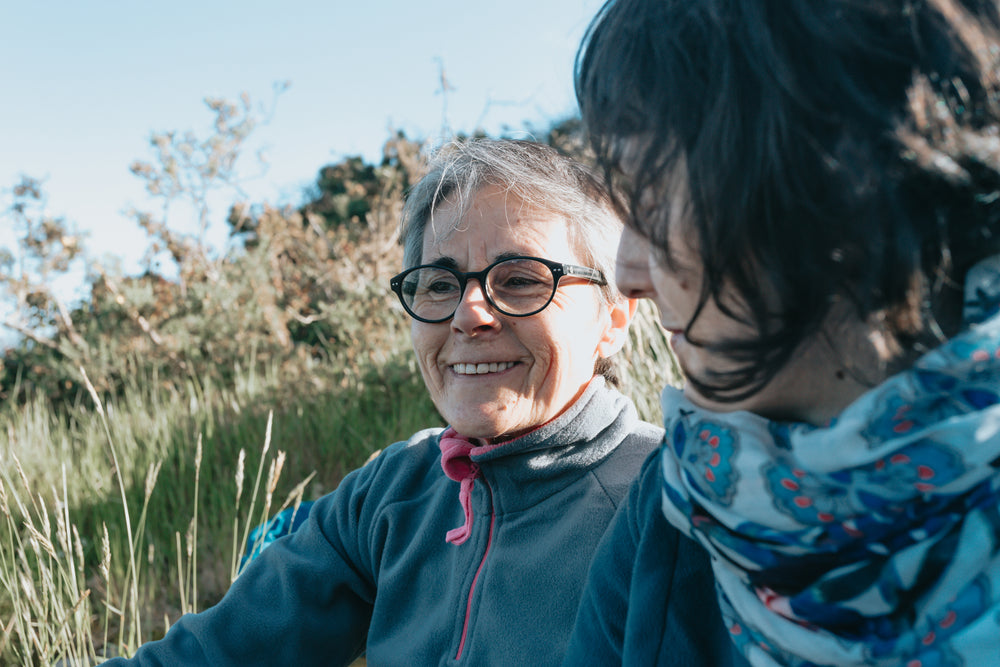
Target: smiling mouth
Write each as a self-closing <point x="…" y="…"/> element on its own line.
<point x="483" y="368"/>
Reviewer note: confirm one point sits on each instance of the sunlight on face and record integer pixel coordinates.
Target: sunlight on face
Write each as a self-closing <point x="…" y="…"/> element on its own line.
<point x="493" y="376"/>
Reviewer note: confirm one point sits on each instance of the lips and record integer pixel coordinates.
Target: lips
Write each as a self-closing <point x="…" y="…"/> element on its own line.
<point x="482" y="368"/>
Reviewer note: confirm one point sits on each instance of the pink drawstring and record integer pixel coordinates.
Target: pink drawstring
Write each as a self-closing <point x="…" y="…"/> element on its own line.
<point x="457" y="465"/>
<point x="461" y="534"/>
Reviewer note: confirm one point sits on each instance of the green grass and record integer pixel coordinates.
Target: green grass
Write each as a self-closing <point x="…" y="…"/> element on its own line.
<point x="179" y="451"/>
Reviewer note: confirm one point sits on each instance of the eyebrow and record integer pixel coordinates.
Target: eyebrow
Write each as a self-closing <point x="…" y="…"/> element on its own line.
<point x="445" y="262"/>
<point x="450" y="263"/>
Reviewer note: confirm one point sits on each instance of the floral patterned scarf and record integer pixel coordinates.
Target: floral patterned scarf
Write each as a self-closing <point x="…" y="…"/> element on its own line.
<point x="874" y="540"/>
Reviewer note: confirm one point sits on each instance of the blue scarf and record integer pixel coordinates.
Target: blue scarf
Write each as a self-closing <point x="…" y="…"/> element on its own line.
<point x="874" y="540"/>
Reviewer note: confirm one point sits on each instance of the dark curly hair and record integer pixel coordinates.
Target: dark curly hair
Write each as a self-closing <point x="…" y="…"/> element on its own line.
<point x="827" y="151"/>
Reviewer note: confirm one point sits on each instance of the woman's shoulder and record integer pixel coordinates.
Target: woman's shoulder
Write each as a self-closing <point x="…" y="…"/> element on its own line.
<point x="644" y="497"/>
<point x="648" y="435"/>
<point x="648" y="485"/>
<point x="427" y="437"/>
<point x="399" y="465"/>
<point x="640" y="440"/>
<point x="419" y="447"/>
<point x="619" y="471"/>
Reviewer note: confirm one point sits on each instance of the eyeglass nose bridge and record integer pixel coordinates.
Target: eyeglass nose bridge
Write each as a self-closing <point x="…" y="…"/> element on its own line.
<point x="463" y="284"/>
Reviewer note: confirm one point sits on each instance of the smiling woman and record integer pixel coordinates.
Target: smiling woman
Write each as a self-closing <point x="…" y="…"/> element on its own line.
<point x="539" y="372"/>
<point x="469" y="545"/>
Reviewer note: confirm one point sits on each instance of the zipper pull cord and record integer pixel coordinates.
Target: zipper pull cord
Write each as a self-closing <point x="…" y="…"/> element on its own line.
<point x="458" y="466"/>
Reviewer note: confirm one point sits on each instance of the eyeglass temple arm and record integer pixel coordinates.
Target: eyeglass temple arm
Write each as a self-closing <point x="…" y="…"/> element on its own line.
<point x="584" y="272"/>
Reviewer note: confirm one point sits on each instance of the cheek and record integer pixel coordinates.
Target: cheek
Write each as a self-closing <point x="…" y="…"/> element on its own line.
<point x="425" y="346"/>
<point x="548" y="356"/>
<point x="673" y="297"/>
<point x="569" y="354"/>
<point x="666" y="281"/>
<point x="417" y="339"/>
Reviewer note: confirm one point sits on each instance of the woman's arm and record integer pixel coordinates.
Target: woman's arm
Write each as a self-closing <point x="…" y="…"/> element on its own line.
<point x="305" y="600"/>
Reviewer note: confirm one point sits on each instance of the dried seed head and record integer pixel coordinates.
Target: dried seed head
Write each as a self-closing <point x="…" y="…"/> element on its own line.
<point x="270" y="484"/>
<point x="4" y="502"/>
<point x="197" y="455"/>
<point x="240" y="465"/>
<point x="189" y="539"/>
<point x="38" y="538"/>
<point x="267" y="433"/>
<point x="105" y="565"/>
<point x="151" y="476"/>
<point x="20" y="472"/>
<point x="77" y="546"/>
<point x="275" y="472"/>
<point x="62" y="530"/>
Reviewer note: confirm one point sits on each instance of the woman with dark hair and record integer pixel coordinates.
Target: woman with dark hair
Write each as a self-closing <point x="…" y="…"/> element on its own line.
<point x="814" y="196"/>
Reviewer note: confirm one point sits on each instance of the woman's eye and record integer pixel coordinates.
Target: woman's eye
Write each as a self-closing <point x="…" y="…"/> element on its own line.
<point x="520" y="281"/>
<point x="442" y="287"/>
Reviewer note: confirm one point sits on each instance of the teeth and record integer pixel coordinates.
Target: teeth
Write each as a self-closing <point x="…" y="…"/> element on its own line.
<point x="479" y="369"/>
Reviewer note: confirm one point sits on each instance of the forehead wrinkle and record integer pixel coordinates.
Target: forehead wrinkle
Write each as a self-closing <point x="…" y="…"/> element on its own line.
<point x="440" y="234"/>
<point x="482" y="200"/>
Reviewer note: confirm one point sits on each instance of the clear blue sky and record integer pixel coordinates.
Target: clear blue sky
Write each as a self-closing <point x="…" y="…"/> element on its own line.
<point x="85" y="83"/>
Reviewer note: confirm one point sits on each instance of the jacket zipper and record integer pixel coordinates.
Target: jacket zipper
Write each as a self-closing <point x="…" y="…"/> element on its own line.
<point x="475" y="579"/>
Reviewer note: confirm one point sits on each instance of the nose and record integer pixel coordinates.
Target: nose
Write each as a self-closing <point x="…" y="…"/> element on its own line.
<point x="632" y="265"/>
<point x="474" y="313"/>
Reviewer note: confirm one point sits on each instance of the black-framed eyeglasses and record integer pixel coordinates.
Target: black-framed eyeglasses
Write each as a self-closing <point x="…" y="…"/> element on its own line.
<point x="516" y="286"/>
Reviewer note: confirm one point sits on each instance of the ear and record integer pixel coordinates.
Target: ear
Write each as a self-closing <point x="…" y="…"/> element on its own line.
<point x="616" y="333"/>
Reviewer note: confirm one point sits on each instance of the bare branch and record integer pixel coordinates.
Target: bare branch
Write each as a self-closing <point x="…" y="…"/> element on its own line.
<point x="67" y="323"/>
<point x="28" y="333"/>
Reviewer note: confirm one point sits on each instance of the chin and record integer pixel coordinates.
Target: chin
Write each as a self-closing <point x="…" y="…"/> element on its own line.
<point x="475" y="426"/>
<point x="502" y="419"/>
<point x="491" y="431"/>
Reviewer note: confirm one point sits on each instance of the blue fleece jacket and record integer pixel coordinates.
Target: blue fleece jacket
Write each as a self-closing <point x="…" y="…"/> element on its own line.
<point x="650" y="595"/>
<point x="370" y="570"/>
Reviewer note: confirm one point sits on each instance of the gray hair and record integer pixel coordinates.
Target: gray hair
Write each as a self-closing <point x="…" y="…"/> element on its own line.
<point x="538" y="175"/>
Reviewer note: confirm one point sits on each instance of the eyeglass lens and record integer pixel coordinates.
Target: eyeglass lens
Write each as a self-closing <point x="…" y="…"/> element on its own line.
<point x="515" y="287"/>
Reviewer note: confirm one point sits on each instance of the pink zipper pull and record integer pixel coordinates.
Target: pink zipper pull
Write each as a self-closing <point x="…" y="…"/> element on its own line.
<point x="458" y="466"/>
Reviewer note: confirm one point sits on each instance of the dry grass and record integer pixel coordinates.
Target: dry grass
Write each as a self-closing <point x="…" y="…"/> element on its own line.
<point x="61" y="609"/>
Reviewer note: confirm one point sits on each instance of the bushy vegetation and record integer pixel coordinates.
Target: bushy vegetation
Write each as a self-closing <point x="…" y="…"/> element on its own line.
<point x="148" y="427"/>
